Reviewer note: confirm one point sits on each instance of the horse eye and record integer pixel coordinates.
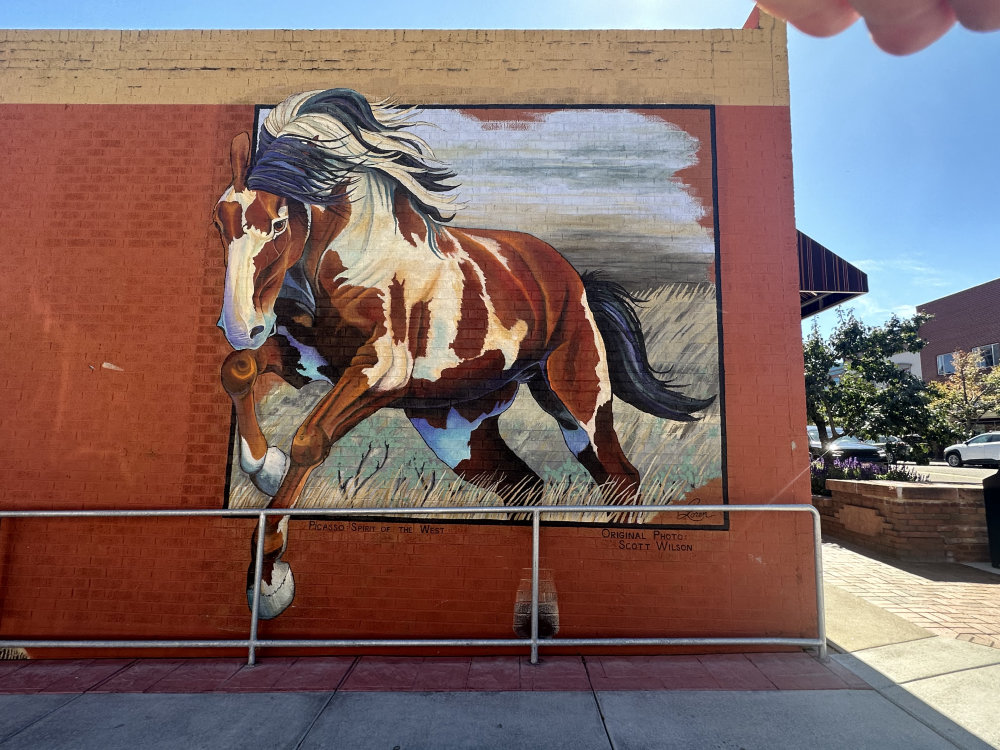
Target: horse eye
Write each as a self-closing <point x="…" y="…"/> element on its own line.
<point x="279" y="226"/>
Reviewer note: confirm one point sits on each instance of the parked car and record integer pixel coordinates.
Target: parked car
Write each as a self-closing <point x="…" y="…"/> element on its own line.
<point x="852" y="447"/>
<point x="844" y="447"/>
<point x="982" y="449"/>
<point x="897" y="448"/>
<point x="815" y="446"/>
<point x="907" y="448"/>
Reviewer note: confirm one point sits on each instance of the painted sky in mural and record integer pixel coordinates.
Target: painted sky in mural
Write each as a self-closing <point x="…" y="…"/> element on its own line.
<point x="600" y="185"/>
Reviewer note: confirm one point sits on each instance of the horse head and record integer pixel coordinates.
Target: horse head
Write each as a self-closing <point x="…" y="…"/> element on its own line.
<point x="263" y="235"/>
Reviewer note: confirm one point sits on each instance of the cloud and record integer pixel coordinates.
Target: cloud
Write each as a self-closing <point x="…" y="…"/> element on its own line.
<point x="874" y="310"/>
<point x="576" y="178"/>
<point x="871" y="309"/>
<point x="894" y="265"/>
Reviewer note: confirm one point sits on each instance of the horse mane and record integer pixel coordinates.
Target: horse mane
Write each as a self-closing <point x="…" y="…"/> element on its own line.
<point x="313" y="142"/>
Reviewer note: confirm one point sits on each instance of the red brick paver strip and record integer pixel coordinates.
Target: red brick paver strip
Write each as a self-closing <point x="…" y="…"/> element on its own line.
<point x="139" y="676"/>
<point x="796" y="671"/>
<point x="322" y="673"/>
<point x="88" y="677"/>
<point x="946" y="599"/>
<point x="781" y="671"/>
<point x="12" y="665"/>
<point x="267" y="675"/>
<point x="383" y="673"/>
<point x="444" y="674"/>
<point x="197" y="676"/>
<point x="495" y="673"/>
<point x="38" y="676"/>
<point x="736" y="672"/>
<point x="649" y="673"/>
<point x="554" y="673"/>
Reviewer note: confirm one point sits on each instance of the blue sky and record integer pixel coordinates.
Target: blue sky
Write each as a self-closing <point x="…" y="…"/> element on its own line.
<point x="896" y="159"/>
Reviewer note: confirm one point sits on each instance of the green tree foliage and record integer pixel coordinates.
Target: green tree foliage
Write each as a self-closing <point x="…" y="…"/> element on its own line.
<point x="962" y="398"/>
<point x="872" y="396"/>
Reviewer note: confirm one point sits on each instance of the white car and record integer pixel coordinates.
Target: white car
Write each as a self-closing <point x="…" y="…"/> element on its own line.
<point x="982" y="449"/>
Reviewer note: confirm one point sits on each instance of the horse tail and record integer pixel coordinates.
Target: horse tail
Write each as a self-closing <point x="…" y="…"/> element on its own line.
<point x="632" y="378"/>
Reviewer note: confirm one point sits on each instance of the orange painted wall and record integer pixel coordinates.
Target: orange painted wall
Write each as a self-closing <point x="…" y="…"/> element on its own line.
<point x="110" y="258"/>
<point x="114" y="263"/>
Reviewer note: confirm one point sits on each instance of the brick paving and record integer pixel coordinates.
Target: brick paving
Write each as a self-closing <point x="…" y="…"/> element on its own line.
<point x="946" y="599"/>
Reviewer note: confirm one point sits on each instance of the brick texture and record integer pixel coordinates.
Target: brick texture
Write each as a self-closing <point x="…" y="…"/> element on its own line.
<point x="962" y="321"/>
<point x="719" y="66"/>
<point x="908" y="522"/>
<point x="115" y="148"/>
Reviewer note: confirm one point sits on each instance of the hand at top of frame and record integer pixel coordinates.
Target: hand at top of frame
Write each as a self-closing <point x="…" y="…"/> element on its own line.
<point x="900" y="27"/>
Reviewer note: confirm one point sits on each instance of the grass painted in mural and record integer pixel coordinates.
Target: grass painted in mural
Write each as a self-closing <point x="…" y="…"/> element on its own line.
<point x="384" y="463"/>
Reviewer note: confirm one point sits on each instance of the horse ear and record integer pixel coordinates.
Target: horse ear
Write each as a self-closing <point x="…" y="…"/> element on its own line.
<point x="239" y="159"/>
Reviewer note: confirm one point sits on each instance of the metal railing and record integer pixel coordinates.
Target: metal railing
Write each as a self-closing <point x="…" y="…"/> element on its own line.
<point x="253" y="642"/>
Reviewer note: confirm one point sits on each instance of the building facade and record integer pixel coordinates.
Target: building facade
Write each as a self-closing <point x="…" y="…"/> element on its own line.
<point x="964" y="321"/>
<point x="661" y="160"/>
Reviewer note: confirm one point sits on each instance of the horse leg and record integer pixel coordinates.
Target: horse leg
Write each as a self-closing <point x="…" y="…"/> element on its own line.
<point x="342" y="408"/>
<point x="466" y="437"/>
<point x="575" y="390"/>
<point x="266" y="466"/>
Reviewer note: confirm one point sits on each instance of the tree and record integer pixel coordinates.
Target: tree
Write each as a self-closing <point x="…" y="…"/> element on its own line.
<point x="870" y="396"/>
<point x="962" y="398"/>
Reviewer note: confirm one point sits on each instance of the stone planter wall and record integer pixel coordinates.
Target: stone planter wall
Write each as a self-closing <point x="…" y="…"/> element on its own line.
<point x="922" y="522"/>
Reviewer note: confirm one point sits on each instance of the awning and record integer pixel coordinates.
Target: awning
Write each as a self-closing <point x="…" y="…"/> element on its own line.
<point x="825" y="279"/>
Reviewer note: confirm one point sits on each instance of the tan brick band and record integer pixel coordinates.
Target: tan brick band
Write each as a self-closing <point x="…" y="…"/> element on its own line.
<point x="721" y="66"/>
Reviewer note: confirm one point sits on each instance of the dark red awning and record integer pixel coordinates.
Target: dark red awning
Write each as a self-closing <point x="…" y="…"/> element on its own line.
<point x="825" y="279"/>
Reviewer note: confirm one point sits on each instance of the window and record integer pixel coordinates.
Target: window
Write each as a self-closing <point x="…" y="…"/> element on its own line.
<point x="990" y="354"/>
<point x="979" y="439"/>
<point x="945" y="364"/>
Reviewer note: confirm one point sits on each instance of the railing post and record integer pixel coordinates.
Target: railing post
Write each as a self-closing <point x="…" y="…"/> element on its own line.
<point x="535" y="537"/>
<point x="820" y="598"/>
<point x="258" y="571"/>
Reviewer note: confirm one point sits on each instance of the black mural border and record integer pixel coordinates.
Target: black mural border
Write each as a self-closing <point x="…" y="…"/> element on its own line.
<point x="724" y="525"/>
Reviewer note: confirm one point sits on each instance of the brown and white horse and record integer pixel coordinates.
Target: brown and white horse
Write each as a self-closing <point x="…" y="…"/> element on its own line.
<point x="341" y="266"/>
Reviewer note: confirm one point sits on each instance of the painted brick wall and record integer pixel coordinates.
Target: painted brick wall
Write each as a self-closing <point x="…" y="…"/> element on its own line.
<point x="116" y="152"/>
<point x="720" y="66"/>
<point x="962" y="321"/>
<point x="113" y="290"/>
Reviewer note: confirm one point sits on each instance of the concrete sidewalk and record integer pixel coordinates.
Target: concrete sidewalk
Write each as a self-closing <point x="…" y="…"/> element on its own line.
<point x="787" y="700"/>
<point x="503" y="720"/>
<point x="940" y="674"/>
<point x="890" y="684"/>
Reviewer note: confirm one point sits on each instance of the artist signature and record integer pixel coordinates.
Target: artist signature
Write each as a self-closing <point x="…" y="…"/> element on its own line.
<point x="694" y="515"/>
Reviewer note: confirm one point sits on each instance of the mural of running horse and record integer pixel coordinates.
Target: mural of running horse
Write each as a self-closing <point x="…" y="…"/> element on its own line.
<point x="342" y="265"/>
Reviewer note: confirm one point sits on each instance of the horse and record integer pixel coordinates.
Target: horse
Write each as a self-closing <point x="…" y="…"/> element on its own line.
<point x="343" y="265"/>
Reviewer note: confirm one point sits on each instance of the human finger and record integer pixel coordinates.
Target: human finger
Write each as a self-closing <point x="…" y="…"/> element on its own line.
<point x="978" y="15"/>
<point x="818" y="19"/>
<point x="902" y="27"/>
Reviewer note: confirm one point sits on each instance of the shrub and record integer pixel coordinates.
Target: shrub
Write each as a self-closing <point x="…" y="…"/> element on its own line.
<point x="822" y="469"/>
<point x="900" y="473"/>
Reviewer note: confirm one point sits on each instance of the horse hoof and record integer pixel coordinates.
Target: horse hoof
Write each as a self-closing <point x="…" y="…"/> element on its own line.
<point x="268" y="473"/>
<point x="276" y="595"/>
